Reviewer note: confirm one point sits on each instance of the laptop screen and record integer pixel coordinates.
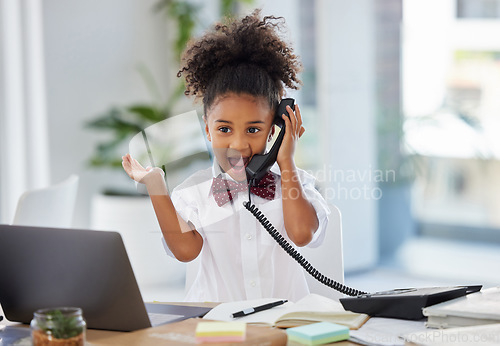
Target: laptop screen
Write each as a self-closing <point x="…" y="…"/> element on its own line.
<point x="53" y="267"/>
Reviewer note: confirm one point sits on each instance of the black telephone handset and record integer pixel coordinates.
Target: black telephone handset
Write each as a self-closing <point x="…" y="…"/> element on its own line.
<point x="261" y="164"/>
<point x="255" y="170"/>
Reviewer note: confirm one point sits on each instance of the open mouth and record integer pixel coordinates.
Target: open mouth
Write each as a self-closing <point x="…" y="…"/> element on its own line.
<point x="239" y="163"/>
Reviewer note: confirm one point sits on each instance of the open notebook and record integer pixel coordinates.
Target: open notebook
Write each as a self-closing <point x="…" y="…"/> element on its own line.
<point x="310" y="309"/>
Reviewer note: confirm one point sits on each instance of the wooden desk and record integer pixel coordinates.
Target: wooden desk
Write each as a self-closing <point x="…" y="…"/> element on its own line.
<point x="183" y="333"/>
<point x="153" y="336"/>
<point x="179" y="333"/>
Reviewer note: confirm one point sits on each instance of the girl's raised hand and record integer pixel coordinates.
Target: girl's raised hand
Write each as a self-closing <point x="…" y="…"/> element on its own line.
<point x="135" y="170"/>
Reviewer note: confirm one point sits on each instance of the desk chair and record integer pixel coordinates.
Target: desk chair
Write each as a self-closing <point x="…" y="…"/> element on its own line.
<point x="327" y="258"/>
<point x="52" y="206"/>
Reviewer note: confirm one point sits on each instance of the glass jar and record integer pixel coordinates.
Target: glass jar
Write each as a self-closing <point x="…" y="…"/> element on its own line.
<point x="63" y="326"/>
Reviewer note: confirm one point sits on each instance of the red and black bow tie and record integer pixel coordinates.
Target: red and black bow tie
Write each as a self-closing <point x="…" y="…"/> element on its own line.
<point x="224" y="190"/>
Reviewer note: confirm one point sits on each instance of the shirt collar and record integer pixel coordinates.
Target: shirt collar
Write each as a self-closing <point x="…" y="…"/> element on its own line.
<point x="217" y="170"/>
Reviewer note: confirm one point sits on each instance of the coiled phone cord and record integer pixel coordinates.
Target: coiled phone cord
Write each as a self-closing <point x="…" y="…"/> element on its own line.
<point x="296" y="255"/>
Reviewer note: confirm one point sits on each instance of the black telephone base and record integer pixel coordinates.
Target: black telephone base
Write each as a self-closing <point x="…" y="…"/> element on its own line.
<point x="404" y="303"/>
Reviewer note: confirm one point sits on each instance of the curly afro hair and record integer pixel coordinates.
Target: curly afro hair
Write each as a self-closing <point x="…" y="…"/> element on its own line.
<point x="243" y="56"/>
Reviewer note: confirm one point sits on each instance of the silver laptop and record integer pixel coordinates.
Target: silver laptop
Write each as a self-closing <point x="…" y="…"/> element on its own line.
<point x="53" y="267"/>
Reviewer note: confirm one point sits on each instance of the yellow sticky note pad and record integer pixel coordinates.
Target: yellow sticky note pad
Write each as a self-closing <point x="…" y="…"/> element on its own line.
<point x="220" y="331"/>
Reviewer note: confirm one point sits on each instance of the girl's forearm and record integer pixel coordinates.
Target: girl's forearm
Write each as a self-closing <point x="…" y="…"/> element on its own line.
<point x="299" y="215"/>
<point x="182" y="239"/>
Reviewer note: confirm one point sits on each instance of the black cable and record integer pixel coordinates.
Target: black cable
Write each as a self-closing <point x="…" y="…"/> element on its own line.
<point x="296" y="255"/>
<point x="250" y="184"/>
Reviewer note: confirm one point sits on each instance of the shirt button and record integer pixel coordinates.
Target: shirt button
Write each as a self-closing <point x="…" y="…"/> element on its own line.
<point x="249" y="236"/>
<point x="252" y="283"/>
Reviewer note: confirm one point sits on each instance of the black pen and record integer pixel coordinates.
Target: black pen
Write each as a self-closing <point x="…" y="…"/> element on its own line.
<point x="250" y="311"/>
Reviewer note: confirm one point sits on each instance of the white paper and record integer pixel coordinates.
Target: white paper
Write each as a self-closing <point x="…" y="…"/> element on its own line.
<point x="385" y="331"/>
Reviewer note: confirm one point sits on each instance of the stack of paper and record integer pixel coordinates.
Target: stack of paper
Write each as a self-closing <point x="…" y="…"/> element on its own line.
<point x="207" y="332"/>
<point x="318" y="333"/>
<point x="474" y="309"/>
<point x="476" y="335"/>
<point x="381" y="331"/>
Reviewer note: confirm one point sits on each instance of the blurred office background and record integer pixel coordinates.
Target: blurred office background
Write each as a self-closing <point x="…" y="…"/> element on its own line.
<point x="400" y="102"/>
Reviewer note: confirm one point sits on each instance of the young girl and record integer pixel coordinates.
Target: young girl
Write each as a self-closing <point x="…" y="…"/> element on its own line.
<point x="240" y="71"/>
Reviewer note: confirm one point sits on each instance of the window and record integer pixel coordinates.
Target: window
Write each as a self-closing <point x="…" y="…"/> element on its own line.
<point x="451" y="86"/>
<point x="474" y="9"/>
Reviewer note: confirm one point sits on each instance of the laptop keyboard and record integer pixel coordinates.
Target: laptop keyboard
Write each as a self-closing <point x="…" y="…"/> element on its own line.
<point x="158" y="319"/>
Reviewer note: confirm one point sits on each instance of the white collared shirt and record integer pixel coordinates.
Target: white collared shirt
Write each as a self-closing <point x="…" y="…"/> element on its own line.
<point x="239" y="259"/>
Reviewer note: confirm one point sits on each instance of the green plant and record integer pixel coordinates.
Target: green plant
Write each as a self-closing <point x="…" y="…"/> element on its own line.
<point x="60" y="326"/>
<point x="121" y="123"/>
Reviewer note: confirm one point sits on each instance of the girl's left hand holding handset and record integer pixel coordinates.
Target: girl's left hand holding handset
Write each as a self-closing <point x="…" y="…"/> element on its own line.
<point x="293" y="131"/>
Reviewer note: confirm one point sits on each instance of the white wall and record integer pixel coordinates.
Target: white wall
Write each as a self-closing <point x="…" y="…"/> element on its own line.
<point x="2" y="101"/>
<point x="92" y="49"/>
<point x="13" y="127"/>
<point x="346" y="103"/>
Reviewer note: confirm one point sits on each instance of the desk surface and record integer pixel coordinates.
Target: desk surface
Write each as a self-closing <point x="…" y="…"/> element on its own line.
<point x="180" y="333"/>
